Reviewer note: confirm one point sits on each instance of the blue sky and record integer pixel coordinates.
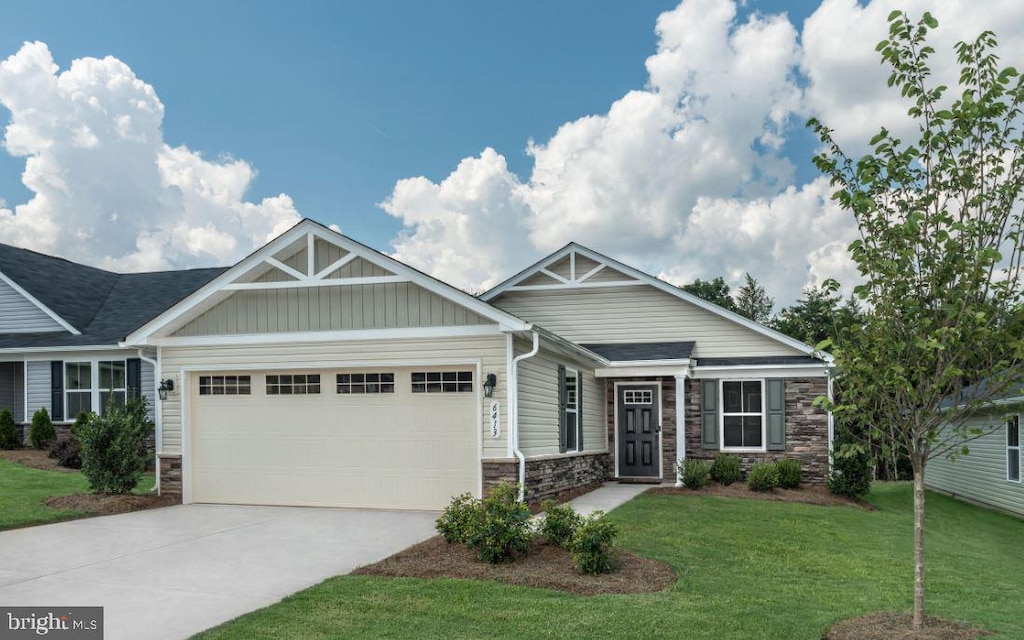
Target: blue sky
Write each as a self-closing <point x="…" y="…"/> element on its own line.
<point x="334" y="103"/>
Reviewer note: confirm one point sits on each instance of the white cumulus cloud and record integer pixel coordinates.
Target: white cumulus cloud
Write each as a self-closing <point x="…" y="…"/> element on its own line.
<point x="107" y="190"/>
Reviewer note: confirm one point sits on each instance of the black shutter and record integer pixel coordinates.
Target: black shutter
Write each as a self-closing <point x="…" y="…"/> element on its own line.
<point x="57" y="390"/>
<point x="709" y="414"/>
<point x="561" y="409"/>
<point x="776" y="410"/>
<point x="133" y="377"/>
<point x="579" y="411"/>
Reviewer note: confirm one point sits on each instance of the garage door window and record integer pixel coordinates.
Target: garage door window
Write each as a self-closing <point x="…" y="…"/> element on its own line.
<point x="225" y="385"/>
<point x="442" y="382"/>
<point x="293" y="384"/>
<point x="366" y="382"/>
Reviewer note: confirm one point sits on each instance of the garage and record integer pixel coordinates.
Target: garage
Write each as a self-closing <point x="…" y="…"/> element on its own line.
<point x="386" y="437"/>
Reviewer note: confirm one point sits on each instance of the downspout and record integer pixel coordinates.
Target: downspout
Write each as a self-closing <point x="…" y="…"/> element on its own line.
<point x="831" y="421"/>
<point x="514" y="403"/>
<point x="158" y="419"/>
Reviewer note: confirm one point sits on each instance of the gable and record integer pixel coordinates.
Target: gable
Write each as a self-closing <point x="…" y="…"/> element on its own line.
<point x="312" y="279"/>
<point x="18" y="314"/>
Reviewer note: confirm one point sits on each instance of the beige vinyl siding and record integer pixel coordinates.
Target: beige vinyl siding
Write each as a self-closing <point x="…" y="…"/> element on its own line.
<point x="369" y="306"/>
<point x="489" y="350"/>
<point x="538" y="404"/>
<point x="981" y="474"/>
<point x="38" y="387"/>
<point x="637" y="314"/>
<point x="19" y="315"/>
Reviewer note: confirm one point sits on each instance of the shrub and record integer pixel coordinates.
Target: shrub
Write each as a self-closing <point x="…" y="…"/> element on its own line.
<point x="41" y="434"/>
<point x="458" y="518"/>
<point x="696" y="473"/>
<point x="80" y="420"/>
<point x="726" y="469"/>
<point x="67" y="451"/>
<point x="502" y="528"/>
<point x="114" y="453"/>
<point x="790" y="473"/>
<point x="593" y="545"/>
<point x="560" y="523"/>
<point x="851" y="469"/>
<point x="763" y="476"/>
<point x="8" y="431"/>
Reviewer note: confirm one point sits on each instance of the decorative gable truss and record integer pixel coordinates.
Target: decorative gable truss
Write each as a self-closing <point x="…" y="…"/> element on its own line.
<point x="312" y="280"/>
<point x="570" y="268"/>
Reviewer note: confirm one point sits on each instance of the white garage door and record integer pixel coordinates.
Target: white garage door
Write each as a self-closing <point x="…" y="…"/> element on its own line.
<point x="386" y="438"/>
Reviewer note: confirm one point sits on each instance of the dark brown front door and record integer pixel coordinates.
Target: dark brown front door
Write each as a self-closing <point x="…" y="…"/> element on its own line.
<point x="638" y="430"/>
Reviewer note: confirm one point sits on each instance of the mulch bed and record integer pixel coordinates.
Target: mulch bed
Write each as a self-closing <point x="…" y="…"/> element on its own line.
<point x="100" y="504"/>
<point x="897" y="626"/>
<point x="34" y="458"/>
<point x="543" y="567"/>
<point x="807" y="494"/>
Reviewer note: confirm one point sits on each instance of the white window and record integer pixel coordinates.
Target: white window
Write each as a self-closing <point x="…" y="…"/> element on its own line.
<point x="572" y="410"/>
<point x="293" y="384"/>
<point x="112" y="383"/>
<point x="442" y="382"/>
<point x="1013" y="448"/>
<point x="77" y="388"/>
<point x="225" y="385"/>
<point x="743" y="414"/>
<point x="366" y="383"/>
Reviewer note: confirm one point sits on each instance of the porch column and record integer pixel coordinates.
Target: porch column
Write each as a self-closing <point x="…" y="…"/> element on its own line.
<point x="680" y="425"/>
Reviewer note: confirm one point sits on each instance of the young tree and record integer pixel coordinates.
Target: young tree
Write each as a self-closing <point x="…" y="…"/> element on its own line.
<point x="753" y="301"/>
<point x="940" y="254"/>
<point x="716" y="291"/>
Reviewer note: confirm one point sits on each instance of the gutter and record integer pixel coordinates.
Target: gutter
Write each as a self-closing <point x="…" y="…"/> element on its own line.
<point x="514" y="404"/>
<point x="158" y="419"/>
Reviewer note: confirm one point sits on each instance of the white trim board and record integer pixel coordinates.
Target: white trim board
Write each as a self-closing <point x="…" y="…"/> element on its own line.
<point x="297" y="337"/>
<point x="42" y="307"/>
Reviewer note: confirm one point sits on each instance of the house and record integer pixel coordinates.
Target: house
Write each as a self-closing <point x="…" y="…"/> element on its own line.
<point x="990" y="474"/>
<point x="317" y="371"/>
<point x="60" y="328"/>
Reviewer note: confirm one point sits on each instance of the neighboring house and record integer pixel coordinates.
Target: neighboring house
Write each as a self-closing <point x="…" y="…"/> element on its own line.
<point x="990" y="474"/>
<point x="318" y="371"/>
<point x="60" y="328"/>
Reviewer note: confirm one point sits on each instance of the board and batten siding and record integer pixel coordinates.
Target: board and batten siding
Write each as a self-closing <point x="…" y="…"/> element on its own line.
<point x="981" y="474"/>
<point x="19" y="315"/>
<point x="489" y="350"/>
<point x="365" y="306"/>
<point x="538" y="404"/>
<point x="637" y="314"/>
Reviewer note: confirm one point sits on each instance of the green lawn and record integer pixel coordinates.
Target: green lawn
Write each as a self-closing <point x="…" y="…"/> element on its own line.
<point x="747" y="569"/>
<point x="23" y="494"/>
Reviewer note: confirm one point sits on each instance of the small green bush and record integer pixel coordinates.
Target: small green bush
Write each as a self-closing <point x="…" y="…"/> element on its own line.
<point x="593" y="545"/>
<point x="41" y="434"/>
<point x="80" y="420"/>
<point x="501" y="530"/>
<point x="763" y="476"/>
<point x="458" y="518"/>
<point x="726" y="469"/>
<point x="696" y="473"/>
<point x="560" y="523"/>
<point x="8" y="431"/>
<point x="851" y="470"/>
<point x="114" y="454"/>
<point x="790" y="472"/>
<point x="67" y="451"/>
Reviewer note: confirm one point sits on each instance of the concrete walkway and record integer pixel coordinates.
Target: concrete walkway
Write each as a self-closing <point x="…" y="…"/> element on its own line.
<point x="606" y="498"/>
<point x="169" y="573"/>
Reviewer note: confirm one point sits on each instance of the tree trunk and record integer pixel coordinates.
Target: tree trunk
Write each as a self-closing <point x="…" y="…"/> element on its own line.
<point x="918" y="544"/>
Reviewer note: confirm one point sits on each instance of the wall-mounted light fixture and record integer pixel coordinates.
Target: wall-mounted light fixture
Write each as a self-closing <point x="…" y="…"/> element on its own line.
<point x="166" y="386"/>
<point x="489" y="383"/>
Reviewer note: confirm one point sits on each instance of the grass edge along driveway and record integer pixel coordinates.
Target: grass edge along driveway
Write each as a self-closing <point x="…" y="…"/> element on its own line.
<point x="747" y="569"/>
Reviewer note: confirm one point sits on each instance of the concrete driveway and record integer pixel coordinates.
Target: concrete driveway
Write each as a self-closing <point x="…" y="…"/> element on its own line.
<point x="169" y="573"/>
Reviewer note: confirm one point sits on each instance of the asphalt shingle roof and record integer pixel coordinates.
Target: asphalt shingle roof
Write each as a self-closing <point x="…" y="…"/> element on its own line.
<point x="103" y="305"/>
<point x="637" y="351"/>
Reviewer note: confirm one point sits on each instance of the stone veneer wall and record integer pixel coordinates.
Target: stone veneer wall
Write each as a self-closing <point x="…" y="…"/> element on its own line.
<point x="558" y="477"/>
<point x="806" y="429"/>
<point x="170" y="475"/>
<point x="668" y="424"/>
